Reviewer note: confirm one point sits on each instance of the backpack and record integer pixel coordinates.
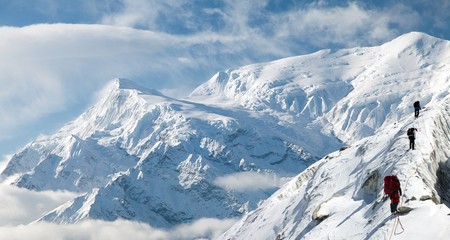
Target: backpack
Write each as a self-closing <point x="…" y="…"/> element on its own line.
<point x="389" y="185"/>
<point x="417" y="104"/>
<point x="410" y="132"/>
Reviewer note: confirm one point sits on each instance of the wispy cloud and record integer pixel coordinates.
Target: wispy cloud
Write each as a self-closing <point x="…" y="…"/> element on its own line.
<point x="249" y="181"/>
<point x="134" y="13"/>
<point x="316" y="24"/>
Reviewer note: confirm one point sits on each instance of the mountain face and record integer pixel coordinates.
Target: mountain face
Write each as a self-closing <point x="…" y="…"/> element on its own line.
<point x="140" y="155"/>
<point x="340" y="196"/>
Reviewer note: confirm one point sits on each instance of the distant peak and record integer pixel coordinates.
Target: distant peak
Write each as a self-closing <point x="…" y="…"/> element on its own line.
<point x="414" y="38"/>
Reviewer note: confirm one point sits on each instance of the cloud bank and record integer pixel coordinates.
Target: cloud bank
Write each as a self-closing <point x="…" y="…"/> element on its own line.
<point x="120" y="229"/>
<point x="19" y="209"/>
<point x="21" y="206"/>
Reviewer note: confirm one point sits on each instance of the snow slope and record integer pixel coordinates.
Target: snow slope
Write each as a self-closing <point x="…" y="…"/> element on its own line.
<point x="139" y="155"/>
<point x="340" y="196"/>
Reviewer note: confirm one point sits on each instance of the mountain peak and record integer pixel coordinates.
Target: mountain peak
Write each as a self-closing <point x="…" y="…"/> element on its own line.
<point x="418" y="41"/>
<point x="124" y="84"/>
<point x="416" y="36"/>
<point x="120" y="84"/>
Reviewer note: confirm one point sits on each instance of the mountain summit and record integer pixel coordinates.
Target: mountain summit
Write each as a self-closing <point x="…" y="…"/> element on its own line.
<point x="140" y="155"/>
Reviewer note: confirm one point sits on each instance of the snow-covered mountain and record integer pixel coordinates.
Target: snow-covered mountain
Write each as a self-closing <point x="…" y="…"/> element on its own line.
<point x="340" y="196"/>
<point x="140" y="155"/>
<point x="143" y="156"/>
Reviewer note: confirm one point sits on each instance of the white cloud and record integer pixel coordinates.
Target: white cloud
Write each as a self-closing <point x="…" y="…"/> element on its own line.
<point x="91" y="229"/>
<point x="209" y="228"/>
<point x="21" y="206"/>
<point x="248" y="181"/>
<point x="56" y="68"/>
<point x="134" y="12"/>
<point x="348" y="26"/>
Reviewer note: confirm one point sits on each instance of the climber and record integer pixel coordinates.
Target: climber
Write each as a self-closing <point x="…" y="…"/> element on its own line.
<point x="412" y="137"/>
<point x="392" y="190"/>
<point x="416" y="108"/>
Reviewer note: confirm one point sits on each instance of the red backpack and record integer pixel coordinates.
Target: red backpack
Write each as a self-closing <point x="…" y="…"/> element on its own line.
<point x="390" y="184"/>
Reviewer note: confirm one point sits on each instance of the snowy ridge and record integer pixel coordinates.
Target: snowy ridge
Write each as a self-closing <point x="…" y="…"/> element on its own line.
<point x="335" y="206"/>
<point x="339" y="197"/>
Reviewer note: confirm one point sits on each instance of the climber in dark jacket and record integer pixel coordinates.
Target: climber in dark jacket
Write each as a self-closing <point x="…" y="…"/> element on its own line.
<point x="416" y="108"/>
<point x="412" y="137"/>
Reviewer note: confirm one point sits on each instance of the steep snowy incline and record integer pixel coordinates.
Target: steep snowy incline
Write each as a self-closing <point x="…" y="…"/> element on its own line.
<point x="356" y="90"/>
<point x="340" y="196"/>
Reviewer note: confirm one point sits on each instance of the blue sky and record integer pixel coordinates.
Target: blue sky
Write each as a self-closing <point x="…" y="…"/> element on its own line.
<point x="55" y="55"/>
